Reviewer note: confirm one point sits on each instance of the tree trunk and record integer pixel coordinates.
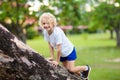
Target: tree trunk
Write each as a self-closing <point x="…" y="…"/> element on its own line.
<point x="17" y="30"/>
<point x="19" y="62"/>
<point x="111" y="34"/>
<point x="117" y="31"/>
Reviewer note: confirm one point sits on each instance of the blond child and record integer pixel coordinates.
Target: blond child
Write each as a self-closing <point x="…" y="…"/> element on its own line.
<point x="65" y="50"/>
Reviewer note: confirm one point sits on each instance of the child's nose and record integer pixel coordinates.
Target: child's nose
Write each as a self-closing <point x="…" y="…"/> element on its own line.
<point x="46" y="24"/>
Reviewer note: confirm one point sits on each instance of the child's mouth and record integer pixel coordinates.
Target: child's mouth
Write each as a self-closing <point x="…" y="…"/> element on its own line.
<point x="47" y="27"/>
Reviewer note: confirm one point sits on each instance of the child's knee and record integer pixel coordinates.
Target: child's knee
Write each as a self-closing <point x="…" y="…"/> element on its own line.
<point x="71" y="70"/>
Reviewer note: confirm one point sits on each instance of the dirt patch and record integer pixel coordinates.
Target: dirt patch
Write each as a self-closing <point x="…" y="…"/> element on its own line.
<point x="113" y="60"/>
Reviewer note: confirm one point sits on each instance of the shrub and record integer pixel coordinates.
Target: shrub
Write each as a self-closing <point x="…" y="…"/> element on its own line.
<point x="31" y="33"/>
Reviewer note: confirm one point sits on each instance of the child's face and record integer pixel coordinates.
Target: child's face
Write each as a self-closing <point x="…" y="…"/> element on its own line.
<point x="47" y="25"/>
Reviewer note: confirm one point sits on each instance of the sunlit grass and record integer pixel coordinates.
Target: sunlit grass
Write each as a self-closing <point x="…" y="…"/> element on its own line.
<point x="96" y="50"/>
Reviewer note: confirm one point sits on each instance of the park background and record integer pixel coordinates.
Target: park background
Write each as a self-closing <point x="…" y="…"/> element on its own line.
<point x="93" y="26"/>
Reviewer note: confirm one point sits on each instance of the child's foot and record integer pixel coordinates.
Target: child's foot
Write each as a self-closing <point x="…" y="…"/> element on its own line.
<point x="85" y="74"/>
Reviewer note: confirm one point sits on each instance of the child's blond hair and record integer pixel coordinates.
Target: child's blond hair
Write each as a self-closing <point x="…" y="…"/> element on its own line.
<point x="48" y="17"/>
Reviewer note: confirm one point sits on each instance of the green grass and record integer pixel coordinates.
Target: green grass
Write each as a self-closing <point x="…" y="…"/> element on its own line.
<point x="96" y="50"/>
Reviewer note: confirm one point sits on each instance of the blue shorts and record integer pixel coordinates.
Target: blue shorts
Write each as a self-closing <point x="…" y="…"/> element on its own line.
<point x="70" y="57"/>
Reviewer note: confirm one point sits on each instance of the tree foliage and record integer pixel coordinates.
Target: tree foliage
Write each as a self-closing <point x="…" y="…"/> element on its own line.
<point x="106" y="16"/>
<point x="13" y="15"/>
<point x="69" y="12"/>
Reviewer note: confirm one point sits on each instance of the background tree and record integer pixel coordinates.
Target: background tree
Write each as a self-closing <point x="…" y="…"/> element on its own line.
<point x="14" y="14"/>
<point x="106" y="16"/>
<point x="68" y="9"/>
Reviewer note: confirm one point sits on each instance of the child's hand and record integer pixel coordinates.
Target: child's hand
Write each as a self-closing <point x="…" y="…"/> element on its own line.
<point x="50" y="59"/>
<point x="55" y="63"/>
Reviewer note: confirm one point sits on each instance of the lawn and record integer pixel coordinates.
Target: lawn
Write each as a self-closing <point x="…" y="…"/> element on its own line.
<point x="96" y="50"/>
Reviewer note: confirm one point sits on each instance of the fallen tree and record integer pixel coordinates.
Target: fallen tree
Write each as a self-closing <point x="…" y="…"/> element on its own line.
<point x="20" y="62"/>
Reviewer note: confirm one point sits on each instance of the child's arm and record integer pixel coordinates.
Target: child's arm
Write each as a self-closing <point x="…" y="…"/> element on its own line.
<point x="51" y="52"/>
<point x="56" y="62"/>
<point x="58" y="53"/>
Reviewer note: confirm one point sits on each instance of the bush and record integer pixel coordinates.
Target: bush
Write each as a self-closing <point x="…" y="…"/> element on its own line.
<point x="31" y="33"/>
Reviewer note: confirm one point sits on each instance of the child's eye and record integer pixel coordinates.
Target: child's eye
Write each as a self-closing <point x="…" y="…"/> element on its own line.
<point x="43" y="23"/>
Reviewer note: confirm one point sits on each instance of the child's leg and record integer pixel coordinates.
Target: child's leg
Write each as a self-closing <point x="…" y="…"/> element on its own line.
<point x="70" y="65"/>
<point x="65" y="64"/>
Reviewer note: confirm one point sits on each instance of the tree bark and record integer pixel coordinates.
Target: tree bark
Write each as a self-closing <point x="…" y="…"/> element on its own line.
<point x="117" y="31"/>
<point x="15" y="29"/>
<point x="20" y="62"/>
<point x="111" y="34"/>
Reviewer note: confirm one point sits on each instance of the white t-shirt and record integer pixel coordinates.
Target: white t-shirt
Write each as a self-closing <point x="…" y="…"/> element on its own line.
<point x="58" y="37"/>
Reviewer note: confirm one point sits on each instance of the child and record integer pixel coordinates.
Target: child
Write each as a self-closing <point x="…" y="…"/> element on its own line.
<point x="65" y="50"/>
